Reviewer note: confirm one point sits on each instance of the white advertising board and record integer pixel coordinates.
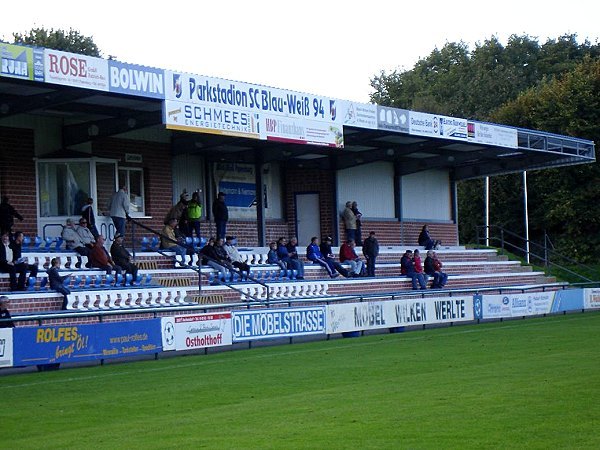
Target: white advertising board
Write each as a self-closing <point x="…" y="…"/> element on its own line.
<point x="432" y="125"/>
<point x="196" y="331"/>
<point x="486" y="133"/>
<point x="517" y="305"/>
<point x="6" y="347"/>
<point x="592" y="298"/>
<point x="75" y="70"/>
<point x="345" y="317"/>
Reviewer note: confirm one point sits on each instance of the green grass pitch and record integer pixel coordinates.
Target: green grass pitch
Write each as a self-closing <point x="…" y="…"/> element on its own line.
<point x="531" y="383"/>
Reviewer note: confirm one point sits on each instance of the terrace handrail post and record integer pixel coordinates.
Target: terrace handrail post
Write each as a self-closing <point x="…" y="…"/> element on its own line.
<point x="502" y="239"/>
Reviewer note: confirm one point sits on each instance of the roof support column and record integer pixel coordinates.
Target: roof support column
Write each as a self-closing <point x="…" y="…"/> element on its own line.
<point x="260" y="204"/>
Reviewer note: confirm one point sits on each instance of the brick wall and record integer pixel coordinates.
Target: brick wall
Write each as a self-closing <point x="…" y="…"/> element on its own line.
<point x="17" y="175"/>
<point x="400" y="233"/>
<point x="158" y="177"/>
<point x="302" y="180"/>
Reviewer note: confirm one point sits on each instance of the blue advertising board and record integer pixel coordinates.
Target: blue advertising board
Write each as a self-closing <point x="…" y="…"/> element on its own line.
<point x="136" y="80"/>
<point x="74" y="343"/>
<point x="275" y="323"/>
<point x="239" y="193"/>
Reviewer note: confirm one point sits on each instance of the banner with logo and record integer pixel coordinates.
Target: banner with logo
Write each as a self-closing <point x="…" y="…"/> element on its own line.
<point x="432" y="125"/>
<point x="6" y="347"/>
<point x="517" y="305"/>
<point x="206" y="118"/>
<point x="196" y="331"/>
<point x="136" y="80"/>
<point x="345" y="317"/>
<point x="360" y="115"/>
<point x="393" y="119"/>
<point x="300" y="131"/>
<point x="592" y="298"/>
<point x="73" y="343"/>
<point x="21" y="62"/>
<point x="75" y="70"/>
<point x="277" y="323"/>
<point x="486" y="133"/>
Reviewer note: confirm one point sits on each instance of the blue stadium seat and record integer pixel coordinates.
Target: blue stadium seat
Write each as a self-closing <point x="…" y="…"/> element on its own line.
<point x="37" y="242"/>
<point x="31" y="283"/>
<point x="145" y="243"/>
<point x="154" y="243"/>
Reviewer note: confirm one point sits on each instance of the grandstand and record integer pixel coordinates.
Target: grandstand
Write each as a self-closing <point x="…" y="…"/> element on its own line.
<point x="65" y="138"/>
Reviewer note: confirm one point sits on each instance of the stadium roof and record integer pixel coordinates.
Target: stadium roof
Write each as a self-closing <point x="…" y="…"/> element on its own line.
<point x="91" y="114"/>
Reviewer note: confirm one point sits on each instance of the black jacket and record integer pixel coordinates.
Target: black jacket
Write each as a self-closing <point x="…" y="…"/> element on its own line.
<point x="370" y="247"/>
<point x="220" y="211"/>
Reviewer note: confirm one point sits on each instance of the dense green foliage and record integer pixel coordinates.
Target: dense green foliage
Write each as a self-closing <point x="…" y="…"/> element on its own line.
<point x="67" y="41"/>
<point x="551" y="87"/>
<point x="500" y="385"/>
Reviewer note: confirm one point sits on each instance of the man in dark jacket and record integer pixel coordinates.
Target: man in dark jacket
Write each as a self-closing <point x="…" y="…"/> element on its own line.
<point x="122" y="257"/>
<point x="328" y="255"/>
<point x="4" y="313"/>
<point x="11" y="263"/>
<point x="221" y="215"/>
<point x="371" y="251"/>
<point x="7" y="216"/>
<point x="407" y="267"/>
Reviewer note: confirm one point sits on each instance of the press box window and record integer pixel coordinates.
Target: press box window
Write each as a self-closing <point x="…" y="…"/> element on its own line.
<point x="133" y="178"/>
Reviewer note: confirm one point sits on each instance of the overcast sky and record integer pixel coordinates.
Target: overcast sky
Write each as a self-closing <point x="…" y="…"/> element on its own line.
<point x="330" y="48"/>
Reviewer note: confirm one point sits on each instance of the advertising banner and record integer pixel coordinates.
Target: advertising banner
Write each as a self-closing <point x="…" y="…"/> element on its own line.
<point x="196" y="331"/>
<point x="347" y="317"/>
<point x="300" y="131"/>
<point x="72" y="343"/>
<point x="75" y="70"/>
<point x="21" y="62"/>
<point x="431" y="125"/>
<point x="276" y="323"/>
<point x="6" y="347"/>
<point x="592" y="298"/>
<point x="251" y="98"/>
<point x="360" y="115"/>
<point x="485" y="133"/>
<point x="206" y="118"/>
<point x="136" y="80"/>
<point x="517" y="305"/>
<point x="393" y="119"/>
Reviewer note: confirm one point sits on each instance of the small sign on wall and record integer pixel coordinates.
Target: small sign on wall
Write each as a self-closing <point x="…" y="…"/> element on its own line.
<point x="133" y="158"/>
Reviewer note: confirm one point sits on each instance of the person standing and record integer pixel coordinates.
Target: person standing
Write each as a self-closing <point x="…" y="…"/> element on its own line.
<point x="119" y="209"/>
<point x="87" y="213"/>
<point x="371" y="251"/>
<point x="5" y="314"/>
<point x="7" y="216"/>
<point x="194" y="213"/>
<point x="349" y="222"/>
<point x="358" y="215"/>
<point x="221" y="215"/>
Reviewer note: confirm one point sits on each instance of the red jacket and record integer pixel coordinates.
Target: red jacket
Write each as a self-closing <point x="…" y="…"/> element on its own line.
<point x="347" y="253"/>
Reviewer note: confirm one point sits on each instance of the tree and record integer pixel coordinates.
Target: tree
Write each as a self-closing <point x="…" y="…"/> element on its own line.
<point x="68" y="41"/>
<point x="550" y="86"/>
<point x="566" y="203"/>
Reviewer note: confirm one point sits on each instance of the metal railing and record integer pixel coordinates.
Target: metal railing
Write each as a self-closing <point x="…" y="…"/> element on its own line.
<point x="544" y="254"/>
<point x="190" y="248"/>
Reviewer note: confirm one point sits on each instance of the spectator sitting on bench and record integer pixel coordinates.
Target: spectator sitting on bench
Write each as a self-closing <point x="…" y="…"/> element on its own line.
<point x="57" y="281"/>
<point x="12" y="264"/>
<point x="122" y="257"/>
<point x="273" y="258"/>
<point x="234" y="255"/>
<point x="348" y="255"/>
<point x="293" y="252"/>
<point x="73" y="241"/>
<point x="407" y="267"/>
<point x="100" y="258"/>
<point x="291" y="263"/>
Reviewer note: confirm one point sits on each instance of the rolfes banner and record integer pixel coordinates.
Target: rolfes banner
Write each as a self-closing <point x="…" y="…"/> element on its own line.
<point x="347" y="317"/>
<point x="73" y="343"/>
<point x="275" y="323"/>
